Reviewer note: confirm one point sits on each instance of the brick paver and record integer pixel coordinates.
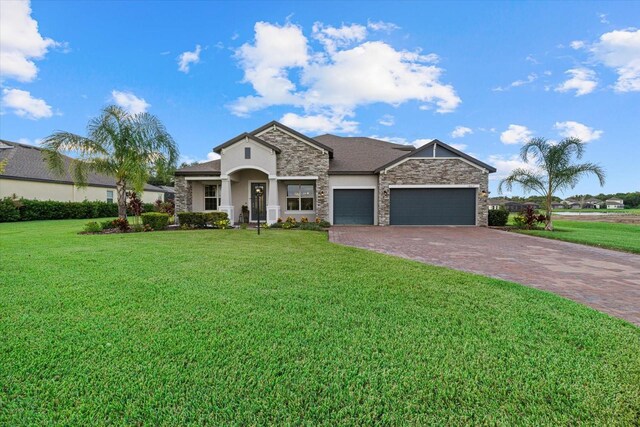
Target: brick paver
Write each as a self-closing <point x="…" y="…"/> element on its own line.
<point x="606" y="280"/>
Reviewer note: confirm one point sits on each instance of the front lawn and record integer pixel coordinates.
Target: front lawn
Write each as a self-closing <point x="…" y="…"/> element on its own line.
<point x="227" y="327"/>
<point x="625" y="237"/>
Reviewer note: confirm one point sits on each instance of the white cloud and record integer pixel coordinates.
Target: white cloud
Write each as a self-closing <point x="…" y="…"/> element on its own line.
<point x="516" y="134"/>
<point x="578" y="130"/>
<point x="603" y="18"/>
<point x="461" y="131"/>
<point x="130" y="102"/>
<point x="532" y="59"/>
<point x="187" y="58"/>
<point x="20" y="41"/>
<point x="316" y="123"/>
<point x="24" y="105"/>
<point x="620" y="50"/>
<point x="506" y="164"/>
<point x="382" y="26"/>
<point x="403" y="141"/>
<point x="583" y="81"/>
<point x="577" y="44"/>
<point x="530" y="79"/>
<point x="348" y="72"/>
<point x="387" y="120"/>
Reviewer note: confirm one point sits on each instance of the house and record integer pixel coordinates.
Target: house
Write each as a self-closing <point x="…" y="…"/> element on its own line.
<point x="533" y="205"/>
<point x="496" y="203"/>
<point x="593" y="203"/>
<point x="557" y="205"/>
<point x="614" y="203"/>
<point x="572" y="203"/>
<point x="277" y="172"/>
<point x="26" y="175"/>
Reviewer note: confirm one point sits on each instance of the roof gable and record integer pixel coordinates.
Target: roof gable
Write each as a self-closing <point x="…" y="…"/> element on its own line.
<point x="294" y="133"/>
<point x="242" y="137"/>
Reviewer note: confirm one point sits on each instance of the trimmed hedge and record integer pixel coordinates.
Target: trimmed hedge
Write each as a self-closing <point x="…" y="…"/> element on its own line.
<point x="498" y="217"/>
<point x="155" y="220"/>
<point x="200" y="219"/>
<point x="30" y="210"/>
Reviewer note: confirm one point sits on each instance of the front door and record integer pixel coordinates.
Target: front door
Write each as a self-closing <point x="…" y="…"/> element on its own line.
<point x="255" y="208"/>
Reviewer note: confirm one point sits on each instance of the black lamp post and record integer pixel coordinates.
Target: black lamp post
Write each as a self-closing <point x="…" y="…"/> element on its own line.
<point x="258" y="195"/>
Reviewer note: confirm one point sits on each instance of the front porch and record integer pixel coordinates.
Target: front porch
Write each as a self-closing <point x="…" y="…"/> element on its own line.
<point x="281" y="197"/>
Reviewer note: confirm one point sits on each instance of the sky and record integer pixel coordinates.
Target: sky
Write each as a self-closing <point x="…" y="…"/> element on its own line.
<point x="481" y="76"/>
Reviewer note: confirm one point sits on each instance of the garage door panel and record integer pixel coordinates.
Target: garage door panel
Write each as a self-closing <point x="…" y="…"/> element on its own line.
<point x="353" y="206"/>
<point x="433" y="206"/>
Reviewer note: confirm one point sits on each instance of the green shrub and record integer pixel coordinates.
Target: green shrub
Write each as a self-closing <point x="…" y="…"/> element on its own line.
<point x="311" y="226"/>
<point x="200" y="219"/>
<point x="92" y="227"/>
<point x="155" y="220"/>
<point x="276" y="225"/>
<point x="9" y="212"/>
<point x="107" y="225"/>
<point x="323" y="223"/>
<point x="498" y="217"/>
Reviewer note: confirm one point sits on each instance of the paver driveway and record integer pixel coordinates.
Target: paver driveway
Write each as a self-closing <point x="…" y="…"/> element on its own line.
<point x="606" y="280"/>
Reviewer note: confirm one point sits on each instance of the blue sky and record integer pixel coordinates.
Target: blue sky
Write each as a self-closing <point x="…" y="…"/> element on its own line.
<point x="483" y="76"/>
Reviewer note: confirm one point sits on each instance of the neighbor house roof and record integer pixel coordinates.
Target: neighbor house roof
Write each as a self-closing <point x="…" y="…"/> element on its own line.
<point x="619" y="201"/>
<point x="27" y="163"/>
<point x="205" y="168"/>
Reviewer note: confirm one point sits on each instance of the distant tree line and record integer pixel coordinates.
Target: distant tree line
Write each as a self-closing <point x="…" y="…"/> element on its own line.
<point x="631" y="200"/>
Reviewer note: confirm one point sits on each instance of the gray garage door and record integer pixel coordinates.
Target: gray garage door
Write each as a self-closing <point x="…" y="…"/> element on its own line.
<point x="433" y="206"/>
<point x="353" y="207"/>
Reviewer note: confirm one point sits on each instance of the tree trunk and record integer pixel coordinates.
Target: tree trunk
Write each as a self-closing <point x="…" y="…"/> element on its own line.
<point x="121" y="189"/>
<point x="549" y="224"/>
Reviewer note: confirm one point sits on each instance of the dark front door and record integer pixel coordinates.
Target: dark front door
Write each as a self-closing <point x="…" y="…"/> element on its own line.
<point x="254" y="201"/>
<point x="433" y="206"/>
<point x="353" y="206"/>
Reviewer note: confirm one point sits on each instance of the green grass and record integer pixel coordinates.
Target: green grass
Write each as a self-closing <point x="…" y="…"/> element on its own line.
<point x="624" y="237"/>
<point x="227" y="327"/>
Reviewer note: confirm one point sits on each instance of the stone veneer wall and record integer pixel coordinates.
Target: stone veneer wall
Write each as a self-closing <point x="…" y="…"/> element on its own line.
<point x="436" y="172"/>
<point x="298" y="158"/>
<point x="183" y="194"/>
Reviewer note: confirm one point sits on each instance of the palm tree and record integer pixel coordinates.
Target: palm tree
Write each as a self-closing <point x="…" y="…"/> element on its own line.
<point x="125" y="146"/>
<point x="554" y="170"/>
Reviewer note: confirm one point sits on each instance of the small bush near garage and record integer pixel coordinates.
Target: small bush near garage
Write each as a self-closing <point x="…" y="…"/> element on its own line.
<point x="498" y="217"/>
<point x="155" y="220"/>
<point x="202" y="219"/>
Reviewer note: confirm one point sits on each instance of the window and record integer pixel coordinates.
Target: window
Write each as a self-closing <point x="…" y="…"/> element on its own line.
<point x="211" y="197"/>
<point x="247" y="152"/>
<point x="109" y="196"/>
<point x="300" y="197"/>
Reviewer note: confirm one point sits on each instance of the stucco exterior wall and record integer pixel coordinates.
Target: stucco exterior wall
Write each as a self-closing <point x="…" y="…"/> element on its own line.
<point x="262" y="157"/>
<point x="63" y="192"/>
<point x="299" y="158"/>
<point x="433" y="171"/>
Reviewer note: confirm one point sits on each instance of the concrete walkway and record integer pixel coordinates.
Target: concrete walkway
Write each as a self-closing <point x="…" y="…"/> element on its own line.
<point x="606" y="280"/>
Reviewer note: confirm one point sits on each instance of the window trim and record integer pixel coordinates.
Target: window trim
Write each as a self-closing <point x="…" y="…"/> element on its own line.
<point x="217" y="197"/>
<point x="300" y="211"/>
<point x="109" y="199"/>
<point x="247" y="153"/>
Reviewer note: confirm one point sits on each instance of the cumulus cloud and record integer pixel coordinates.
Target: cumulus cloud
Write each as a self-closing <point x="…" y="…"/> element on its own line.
<point x="578" y="130"/>
<point x="130" y="102"/>
<point x="24" y="105"/>
<point x="577" y="44"/>
<point x="506" y="164"/>
<point x="187" y="58"/>
<point x="317" y="123"/>
<point x="346" y="73"/>
<point x="516" y="134"/>
<point x="583" y="81"/>
<point x="461" y="131"/>
<point x="382" y="26"/>
<point x="387" y="120"/>
<point x="403" y="141"/>
<point x="20" y="41"/>
<point x="620" y="50"/>
<point x="460" y="147"/>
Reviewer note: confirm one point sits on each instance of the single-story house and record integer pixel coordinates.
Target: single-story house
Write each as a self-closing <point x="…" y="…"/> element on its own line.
<point x="557" y="205"/>
<point x="277" y="172"/>
<point x="572" y="203"/>
<point x="534" y="205"/>
<point x="593" y="204"/>
<point x="496" y="203"/>
<point x="26" y="175"/>
<point x="614" y="203"/>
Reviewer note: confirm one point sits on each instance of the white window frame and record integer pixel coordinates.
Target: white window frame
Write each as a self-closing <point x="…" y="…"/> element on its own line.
<point x="286" y="198"/>
<point x="217" y="197"/>
<point x="109" y="199"/>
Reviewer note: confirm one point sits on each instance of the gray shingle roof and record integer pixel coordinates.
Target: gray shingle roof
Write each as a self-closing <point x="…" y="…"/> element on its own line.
<point x="26" y="162"/>
<point x="360" y="154"/>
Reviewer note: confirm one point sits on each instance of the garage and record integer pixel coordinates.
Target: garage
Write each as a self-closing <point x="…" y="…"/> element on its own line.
<point x="353" y="206"/>
<point x="433" y="206"/>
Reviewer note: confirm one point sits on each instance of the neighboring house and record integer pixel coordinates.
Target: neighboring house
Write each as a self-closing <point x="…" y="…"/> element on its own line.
<point x="614" y="203"/>
<point x="557" y="205"/>
<point x="496" y="203"/>
<point x="593" y="204"/>
<point x="572" y="204"/>
<point x="26" y="175"/>
<point x="169" y="192"/>
<point x="531" y="204"/>
<point x="512" y="206"/>
<point x="345" y="180"/>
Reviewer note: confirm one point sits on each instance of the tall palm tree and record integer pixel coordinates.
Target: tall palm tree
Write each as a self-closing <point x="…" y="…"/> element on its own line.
<point x="119" y="144"/>
<point x="554" y="171"/>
